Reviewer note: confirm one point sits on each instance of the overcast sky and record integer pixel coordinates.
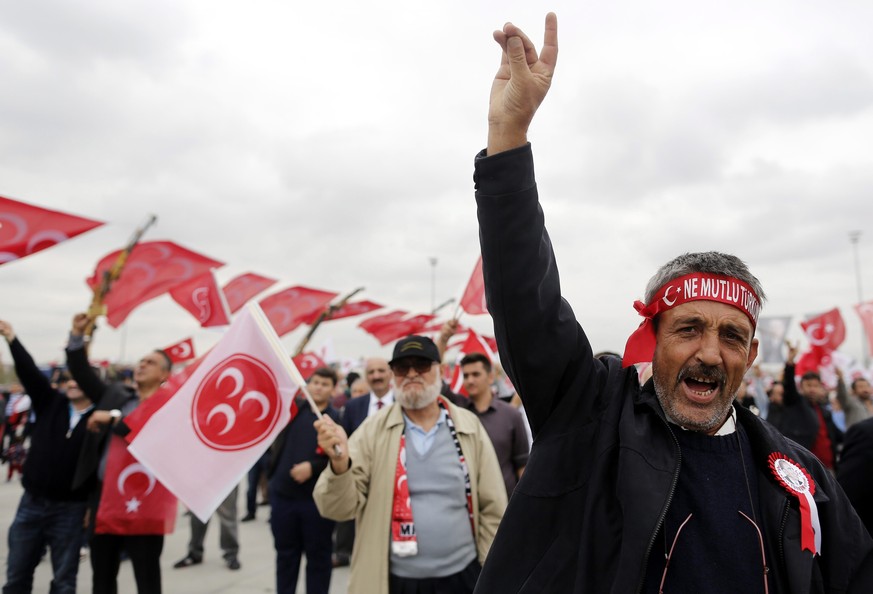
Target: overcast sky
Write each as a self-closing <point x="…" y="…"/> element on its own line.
<point x="331" y="145"/>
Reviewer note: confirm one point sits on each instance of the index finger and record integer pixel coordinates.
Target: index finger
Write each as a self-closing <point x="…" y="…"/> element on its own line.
<point x="549" y="53"/>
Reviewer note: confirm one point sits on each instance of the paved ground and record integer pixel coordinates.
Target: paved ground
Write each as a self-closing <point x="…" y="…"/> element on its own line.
<point x="256" y="555"/>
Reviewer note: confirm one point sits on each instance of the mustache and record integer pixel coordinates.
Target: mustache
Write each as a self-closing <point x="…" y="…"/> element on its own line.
<point x="709" y="373"/>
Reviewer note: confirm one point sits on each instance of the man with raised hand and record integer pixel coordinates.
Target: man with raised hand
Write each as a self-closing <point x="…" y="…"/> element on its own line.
<point x="152" y="370"/>
<point x="661" y="487"/>
<point x="422" y="481"/>
<point x="52" y="509"/>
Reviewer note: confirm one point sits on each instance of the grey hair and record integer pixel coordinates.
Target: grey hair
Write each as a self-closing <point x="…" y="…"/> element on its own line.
<point x="708" y="262"/>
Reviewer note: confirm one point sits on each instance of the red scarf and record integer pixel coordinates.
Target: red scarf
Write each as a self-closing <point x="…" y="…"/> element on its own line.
<point x="404" y="542"/>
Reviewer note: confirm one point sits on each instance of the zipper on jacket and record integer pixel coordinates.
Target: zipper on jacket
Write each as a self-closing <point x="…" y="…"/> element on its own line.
<point x="666" y="507"/>
<point x="782" y="530"/>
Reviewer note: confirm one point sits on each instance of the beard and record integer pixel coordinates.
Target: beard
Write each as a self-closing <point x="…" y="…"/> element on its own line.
<point x="685" y="414"/>
<point x="414" y="396"/>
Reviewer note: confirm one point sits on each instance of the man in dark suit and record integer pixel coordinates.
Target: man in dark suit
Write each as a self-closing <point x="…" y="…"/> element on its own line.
<point x="381" y="395"/>
<point x="378" y="376"/>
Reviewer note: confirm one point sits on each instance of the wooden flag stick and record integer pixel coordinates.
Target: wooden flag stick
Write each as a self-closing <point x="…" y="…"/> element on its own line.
<point x="324" y="315"/>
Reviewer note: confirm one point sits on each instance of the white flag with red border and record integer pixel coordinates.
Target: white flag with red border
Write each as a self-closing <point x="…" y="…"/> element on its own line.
<point x="208" y="435"/>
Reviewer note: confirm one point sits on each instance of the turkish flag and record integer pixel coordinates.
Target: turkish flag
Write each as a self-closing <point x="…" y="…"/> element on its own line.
<point x="202" y="298"/>
<point x="243" y="287"/>
<point x="152" y="269"/>
<point x="181" y="351"/>
<point x="473" y="344"/>
<point x="307" y="363"/>
<point x="287" y="309"/>
<point x="473" y="299"/>
<point x="865" y="312"/>
<point x="27" y="229"/>
<point x="132" y="500"/>
<point x="395" y="325"/>
<point x="825" y="333"/>
<point x="223" y="417"/>
<point x="348" y="310"/>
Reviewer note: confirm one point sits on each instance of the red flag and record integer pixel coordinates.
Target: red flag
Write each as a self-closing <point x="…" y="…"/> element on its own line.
<point x="223" y="417"/>
<point x="132" y="500"/>
<point x="181" y="351"/>
<point x="202" y="298"/>
<point x="394" y="325"/>
<point x="152" y="269"/>
<point x="348" y="310"/>
<point x="307" y="363"/>
<point x="825" y="333"/>
<point x="27" y="229"/>
<point x="243" y="287"/>
<point x="473" y="344"/>
<point x="287" y="309"/>
<point x="473" y="300"/>
<point x="865" y="312"/>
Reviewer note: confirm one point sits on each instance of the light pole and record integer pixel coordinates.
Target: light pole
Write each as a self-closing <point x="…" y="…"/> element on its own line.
<point x="854" y="237"/>
<point x="433" y="263"/>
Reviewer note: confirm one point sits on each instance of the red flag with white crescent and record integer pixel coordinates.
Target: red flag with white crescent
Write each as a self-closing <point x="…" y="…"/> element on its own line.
<point x="826" y="331"/>
<point x="307" y="363"/>
<point x="132" y="500"/>
<point x="202" y="298"/>
<point x="243" y="287"/>
<point x="473" y="344"/>
<point x="865" y="312"/>
<point x="287" y="309"/>
<point x="152" y="269"/>
<point x="223" y="417"/>
<point x="473" y="299"/>
<point x="26" y="229"/>
<point x="181" y="351"/>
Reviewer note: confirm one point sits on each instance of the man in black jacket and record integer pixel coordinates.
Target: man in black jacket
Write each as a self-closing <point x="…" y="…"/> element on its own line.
<point x="116" y="402"/>
<point x="661" y="487"/>
<point x="52" y="509"/>
<point x="296" y="463"/>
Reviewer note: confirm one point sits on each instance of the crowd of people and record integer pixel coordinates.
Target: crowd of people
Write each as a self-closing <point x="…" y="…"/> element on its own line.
<point x="699" y="473"/>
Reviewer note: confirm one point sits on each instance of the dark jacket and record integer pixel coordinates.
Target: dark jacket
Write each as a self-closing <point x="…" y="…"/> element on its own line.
<point x="105" y="397"/>
<point x="856" y="469"/>
<point x="298" y="442"/>
<point x="55" y="451"/>
<point x="605" y="462"/>
<point x="797" y="418"/>
<point x="355" y="412"/>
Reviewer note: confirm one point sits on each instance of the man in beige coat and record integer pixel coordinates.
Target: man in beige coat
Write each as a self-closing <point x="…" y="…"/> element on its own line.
<point x="422" y="481"/>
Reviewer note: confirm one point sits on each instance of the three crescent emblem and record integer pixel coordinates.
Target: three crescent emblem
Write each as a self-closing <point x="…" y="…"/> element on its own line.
<point x="237" y="404"/>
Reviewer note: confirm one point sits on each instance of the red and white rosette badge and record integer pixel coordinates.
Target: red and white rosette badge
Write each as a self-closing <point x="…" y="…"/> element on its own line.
<point x="799" y="483"/>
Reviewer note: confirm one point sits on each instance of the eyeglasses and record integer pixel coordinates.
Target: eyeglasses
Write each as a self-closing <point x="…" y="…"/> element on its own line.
<point x="421" y="366"/>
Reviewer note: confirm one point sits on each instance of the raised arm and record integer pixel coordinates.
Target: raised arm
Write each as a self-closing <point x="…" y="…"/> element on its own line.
<point x="34" y="382"/>
<point x="520" y="85"/>
<point x="77" y="361"/>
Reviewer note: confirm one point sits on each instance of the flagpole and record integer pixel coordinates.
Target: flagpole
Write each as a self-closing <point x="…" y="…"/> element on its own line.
<point x="854" y="237"/>
<point x="101" y="290"/>
<point x="324" y="315"/>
